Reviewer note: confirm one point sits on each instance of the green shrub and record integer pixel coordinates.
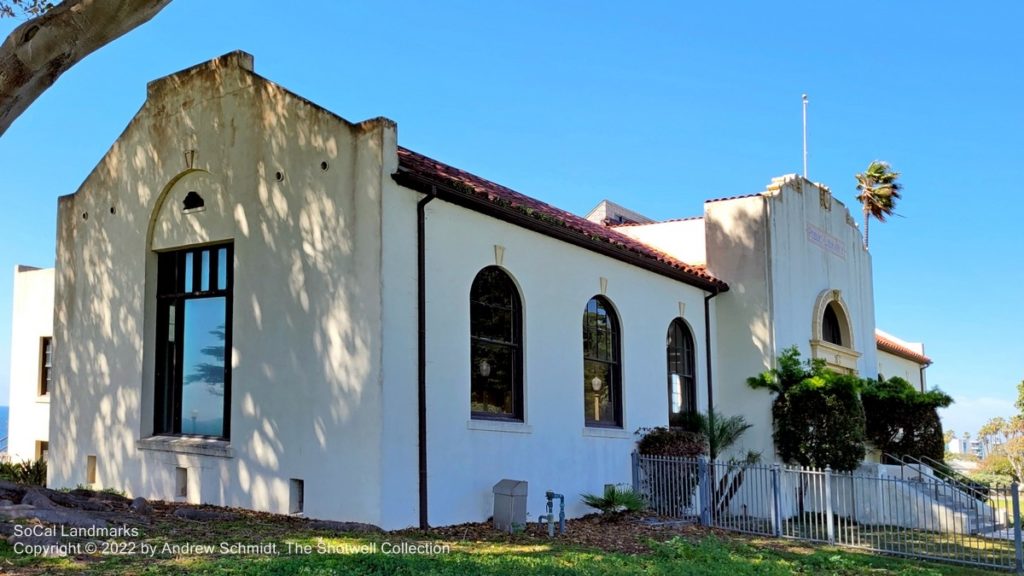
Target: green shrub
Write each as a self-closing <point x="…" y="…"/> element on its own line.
<point x="721" y="431"/>
<point x="615" y="501"/>
<point x="903" y="421"/>
<point x="817" y="414"/>
<point x="25" y="472"/>
<point x="676" y="488"/>
<point x="663" y="441"/>
<point x="997" y="465"/>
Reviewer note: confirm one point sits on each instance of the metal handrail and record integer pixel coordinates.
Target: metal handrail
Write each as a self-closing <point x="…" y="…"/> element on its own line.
<point x="946" y="470"/>
<point x="965" y="489"/>
<point x="895" y="459"/>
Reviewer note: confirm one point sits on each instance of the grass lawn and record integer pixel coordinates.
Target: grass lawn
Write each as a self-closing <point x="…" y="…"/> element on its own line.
<point x="693" y="552"/>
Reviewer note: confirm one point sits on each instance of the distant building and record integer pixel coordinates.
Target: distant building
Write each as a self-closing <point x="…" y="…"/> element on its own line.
<point x="956" y="446"/>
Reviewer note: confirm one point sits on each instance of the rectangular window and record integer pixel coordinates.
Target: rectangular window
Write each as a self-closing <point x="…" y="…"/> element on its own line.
<point x="45" y="364"/>
<point x="193" y="377"/>
<point x="42" y="450"/>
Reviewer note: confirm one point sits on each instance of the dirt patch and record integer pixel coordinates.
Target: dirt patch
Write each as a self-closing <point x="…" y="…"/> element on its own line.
<point x="159" y="521"/>
<point x="628" y="534"/>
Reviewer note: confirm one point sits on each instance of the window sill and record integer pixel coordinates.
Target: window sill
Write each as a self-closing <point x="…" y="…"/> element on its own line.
<point x="43" y="399"/>
<point x="500" y="426"/>
<point x="187" y="445"/>
<point x="600" y="432"/>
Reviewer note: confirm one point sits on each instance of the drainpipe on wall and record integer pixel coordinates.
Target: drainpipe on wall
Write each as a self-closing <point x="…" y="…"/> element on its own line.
<point x="707" y="352"/>
<point x="421" y="345"/>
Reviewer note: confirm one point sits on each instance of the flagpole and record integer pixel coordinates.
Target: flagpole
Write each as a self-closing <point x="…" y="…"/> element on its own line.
<point x="805" y="135"/>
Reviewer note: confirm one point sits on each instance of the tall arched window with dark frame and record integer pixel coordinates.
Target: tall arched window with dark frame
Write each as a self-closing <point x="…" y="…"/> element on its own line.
<point x="602" y="368"/>
<point x="496" y="347"/>
<point x="682" y="372"/>
<point x="830" y="328"/>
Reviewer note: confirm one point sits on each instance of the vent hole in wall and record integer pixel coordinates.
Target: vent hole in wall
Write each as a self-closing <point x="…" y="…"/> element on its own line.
<point x="279" y="176"/>
<point x="193" y="201"/>
<point x="180" y="483"/>
<point x="297" y="499"/>
<point x="85" y="215"/>
<point x="324" y="165"/>
<point x="113" y="210"/>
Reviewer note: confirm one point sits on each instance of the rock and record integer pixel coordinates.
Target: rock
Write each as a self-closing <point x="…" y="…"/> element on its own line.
<point x="56" y="516"/>
<point x="38" y="499"/>
<point x="201" y="515"/>
<point x="333" y="526"/>
<point x="140" y="506"/>
<point x="12" y="496"/>
<point x="11" y="486"/>
<point x="95" y="505"/>
<point x="6" y="503"/>
<point x="75" y="497"/>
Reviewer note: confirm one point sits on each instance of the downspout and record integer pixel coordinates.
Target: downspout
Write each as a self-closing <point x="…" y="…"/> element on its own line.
<point x="421" y="349"/>
<point x="707" y="352"/>
<point x="769" y="279"/>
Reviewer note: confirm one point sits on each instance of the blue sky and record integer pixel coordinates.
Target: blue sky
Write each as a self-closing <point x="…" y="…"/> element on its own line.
<point x="656" y="105"/>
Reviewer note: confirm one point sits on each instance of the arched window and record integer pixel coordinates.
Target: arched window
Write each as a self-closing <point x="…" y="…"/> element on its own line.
<point x="496" y="351"/>
<point x="833" y="338"/>
<point x="682" y="372"/>
<point x="602" y="372"/>
<point x="830" y="328"/>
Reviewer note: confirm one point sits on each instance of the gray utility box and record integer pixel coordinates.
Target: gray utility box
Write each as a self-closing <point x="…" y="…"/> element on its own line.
<point x="510" y="505"/>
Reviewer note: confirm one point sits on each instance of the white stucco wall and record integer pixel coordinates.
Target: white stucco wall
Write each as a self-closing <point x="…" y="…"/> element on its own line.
<point x="681" y="239"/>
<point x="552" y="450"/>
<point x="306" y="355"/>
<point x="890" y="365"/>
<point x="801" y="268"/>
<point x="32" y="319"/>
<point x="737" y="254"/>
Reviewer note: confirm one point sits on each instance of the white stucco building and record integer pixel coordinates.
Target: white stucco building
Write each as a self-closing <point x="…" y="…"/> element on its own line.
<point x="261" y="304"/>
<point x="28" y="423"/>
<point x="798" y="276"/>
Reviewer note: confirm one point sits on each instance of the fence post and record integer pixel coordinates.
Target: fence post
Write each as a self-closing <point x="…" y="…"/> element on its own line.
<point x="636" y="471"/>
<point x="704" y="480"/>
<point x="776" y="502"/>
<point x="1018" y="553"/>
<point x="828" y="506"/>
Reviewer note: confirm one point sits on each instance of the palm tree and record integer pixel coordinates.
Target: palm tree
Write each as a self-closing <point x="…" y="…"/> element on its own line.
<point x="878" y="191"/>
<point x="721" y="431"/>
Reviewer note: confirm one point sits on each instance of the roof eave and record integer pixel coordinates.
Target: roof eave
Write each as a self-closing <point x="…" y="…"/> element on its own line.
<point x="448" y="193"/>
<point x="906" y="355"/>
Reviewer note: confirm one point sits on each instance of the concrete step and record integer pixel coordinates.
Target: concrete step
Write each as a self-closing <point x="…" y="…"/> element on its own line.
<point x="985" y="527"/>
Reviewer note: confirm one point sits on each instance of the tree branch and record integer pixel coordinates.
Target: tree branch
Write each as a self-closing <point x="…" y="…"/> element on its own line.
<point x="36" y="53"/>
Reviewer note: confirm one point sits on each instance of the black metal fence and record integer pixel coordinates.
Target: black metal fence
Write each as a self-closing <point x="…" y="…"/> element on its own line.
<point x="896" y="509"/>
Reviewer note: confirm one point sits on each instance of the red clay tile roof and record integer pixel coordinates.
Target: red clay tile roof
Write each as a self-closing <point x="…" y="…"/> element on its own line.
<point x="431" y="169"/>
<point x="732" y="197"/>
<point x="900" y="350"/>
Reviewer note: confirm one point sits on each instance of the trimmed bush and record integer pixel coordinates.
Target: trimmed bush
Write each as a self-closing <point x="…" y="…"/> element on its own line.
<point x="817" y="415"/>
<point x="903" y="421"/>
<point x="663" y="441"/>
